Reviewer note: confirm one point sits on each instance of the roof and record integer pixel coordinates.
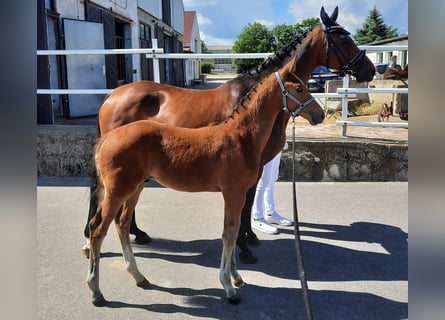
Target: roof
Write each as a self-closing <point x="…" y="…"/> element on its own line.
<point x="219" y="48"/>
<point x="189" y="19"/>
<point x="389" y="40"/>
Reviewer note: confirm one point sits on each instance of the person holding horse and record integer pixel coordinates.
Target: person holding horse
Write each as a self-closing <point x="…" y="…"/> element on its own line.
<point x="263" y="209"/>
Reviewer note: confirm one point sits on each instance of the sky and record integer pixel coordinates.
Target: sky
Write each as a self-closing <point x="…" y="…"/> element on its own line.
<point x="220" y="21"/>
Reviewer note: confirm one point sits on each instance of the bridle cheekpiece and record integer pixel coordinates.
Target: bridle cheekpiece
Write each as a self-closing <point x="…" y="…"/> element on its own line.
<point x="286" y="95"/>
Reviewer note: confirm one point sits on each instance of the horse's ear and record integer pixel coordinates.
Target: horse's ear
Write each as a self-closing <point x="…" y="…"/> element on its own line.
<point x="334" y="14"/>
<point x="325" y="18"/>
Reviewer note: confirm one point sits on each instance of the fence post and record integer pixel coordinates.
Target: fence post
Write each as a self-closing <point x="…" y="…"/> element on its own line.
<point x="344" y="107"/>
<point x="156" y="73"/>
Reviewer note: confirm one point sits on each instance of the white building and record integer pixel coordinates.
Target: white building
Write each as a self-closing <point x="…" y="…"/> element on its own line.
<point x="103" y="24"/>
<point x="192" y="44"/>
<point x="385" y="56"/>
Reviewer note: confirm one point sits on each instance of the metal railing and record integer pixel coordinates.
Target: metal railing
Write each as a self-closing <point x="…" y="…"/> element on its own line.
<point x="155" y="53"/>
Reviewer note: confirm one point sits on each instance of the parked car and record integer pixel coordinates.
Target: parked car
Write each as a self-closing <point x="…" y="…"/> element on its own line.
<point x="319" y="77"/>
<point x="380" y="69"/>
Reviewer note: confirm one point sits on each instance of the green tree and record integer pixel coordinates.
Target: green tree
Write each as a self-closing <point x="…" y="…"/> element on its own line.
<point x="254" y="38"/>
<point x="204" y="48"/>
<point x="374" y="29"/>
<point x="283" y="33"/>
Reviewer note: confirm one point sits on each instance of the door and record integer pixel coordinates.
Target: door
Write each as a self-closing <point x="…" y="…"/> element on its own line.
<point x="84" y="71"/>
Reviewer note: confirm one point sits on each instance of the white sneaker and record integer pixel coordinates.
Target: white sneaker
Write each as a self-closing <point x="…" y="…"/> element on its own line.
<point x="263" y="226"/>
<point x="275" y="218"/>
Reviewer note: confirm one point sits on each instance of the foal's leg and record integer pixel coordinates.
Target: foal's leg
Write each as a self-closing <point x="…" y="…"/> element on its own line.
<point x="98" y="229"/>
<point x="234" y="201"/>
<point x="123" y="222"/>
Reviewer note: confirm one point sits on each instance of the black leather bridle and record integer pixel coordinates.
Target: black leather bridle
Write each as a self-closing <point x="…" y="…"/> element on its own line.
<point x="330" y="44"/>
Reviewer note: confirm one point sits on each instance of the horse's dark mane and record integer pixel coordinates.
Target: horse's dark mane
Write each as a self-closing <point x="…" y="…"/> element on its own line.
<point x="273" y="62"/>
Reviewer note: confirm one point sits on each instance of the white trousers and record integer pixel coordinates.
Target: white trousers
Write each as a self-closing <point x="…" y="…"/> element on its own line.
<point x="264" y="196"/>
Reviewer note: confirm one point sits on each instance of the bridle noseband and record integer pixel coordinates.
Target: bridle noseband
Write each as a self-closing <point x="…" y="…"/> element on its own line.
<point x="331" y="44"/>
<point x="286" y="95"/>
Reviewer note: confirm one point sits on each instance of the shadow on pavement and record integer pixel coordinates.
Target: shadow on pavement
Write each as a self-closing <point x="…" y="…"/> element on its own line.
<point x="323" y="262"/>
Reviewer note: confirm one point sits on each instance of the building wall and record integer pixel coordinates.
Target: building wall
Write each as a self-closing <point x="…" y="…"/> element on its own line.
<point x="154" y="7"/>
<point x="385" y="56"/>
<point x="177" y="10"/>
<point x="126" y="11"/>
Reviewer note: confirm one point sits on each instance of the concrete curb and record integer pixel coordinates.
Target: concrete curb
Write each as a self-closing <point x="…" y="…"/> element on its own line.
<point x="67" y="151"/>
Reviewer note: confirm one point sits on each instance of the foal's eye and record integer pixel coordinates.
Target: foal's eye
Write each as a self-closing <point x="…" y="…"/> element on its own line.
<point x="299" y="89"/>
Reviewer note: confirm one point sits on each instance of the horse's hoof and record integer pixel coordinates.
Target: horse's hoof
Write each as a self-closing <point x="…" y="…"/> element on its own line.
<point x="143" y="238"/>
<point x="100" y="302"/>
<point x="86" y="251"/>
<point x="143" y="284"/>
<point x="238" y="283"/>
<point x="234" y="300"/>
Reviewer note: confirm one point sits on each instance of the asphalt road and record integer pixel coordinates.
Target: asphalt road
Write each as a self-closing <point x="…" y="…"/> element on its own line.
<point x="355" y="248"/>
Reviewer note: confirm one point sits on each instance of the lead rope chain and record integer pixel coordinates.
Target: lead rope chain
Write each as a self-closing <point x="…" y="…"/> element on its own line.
<point x="300" y="263"/>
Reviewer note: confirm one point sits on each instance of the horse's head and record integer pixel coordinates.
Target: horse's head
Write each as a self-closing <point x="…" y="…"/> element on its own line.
<point x="297" y="100"/>
<point x="341" y="52"/>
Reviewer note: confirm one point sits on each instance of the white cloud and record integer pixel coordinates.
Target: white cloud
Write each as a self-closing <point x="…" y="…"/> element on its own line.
<point x="203" y="21"/>
<point x="215" y="41"/>
<point x="265" y="22"/>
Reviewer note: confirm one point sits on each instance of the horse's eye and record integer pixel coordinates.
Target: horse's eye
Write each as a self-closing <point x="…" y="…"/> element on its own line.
<point x="299" y="89"/>
<point x="344" y="38"/>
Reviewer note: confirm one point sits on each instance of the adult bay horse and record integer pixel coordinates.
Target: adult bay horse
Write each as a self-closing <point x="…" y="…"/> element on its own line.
<point x="328" y="44"/>
<point x="193" y="160"/>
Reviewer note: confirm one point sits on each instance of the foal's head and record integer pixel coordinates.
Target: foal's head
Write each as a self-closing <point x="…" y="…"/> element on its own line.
<point x="298" y="101"/>
<point x="341" y="51"/>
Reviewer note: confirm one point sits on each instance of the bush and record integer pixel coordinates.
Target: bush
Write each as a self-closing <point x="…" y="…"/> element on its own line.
<point x="206" y="67"/>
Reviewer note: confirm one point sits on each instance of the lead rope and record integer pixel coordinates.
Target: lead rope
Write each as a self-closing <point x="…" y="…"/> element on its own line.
<point x="300" y="263"/>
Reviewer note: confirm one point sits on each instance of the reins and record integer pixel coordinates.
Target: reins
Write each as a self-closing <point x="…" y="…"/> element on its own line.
<point x="300" y="262"/>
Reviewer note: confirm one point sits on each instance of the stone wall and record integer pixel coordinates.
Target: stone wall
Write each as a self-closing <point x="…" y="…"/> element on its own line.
<point x="340" y="160"/>
<point x="67" y="151"/>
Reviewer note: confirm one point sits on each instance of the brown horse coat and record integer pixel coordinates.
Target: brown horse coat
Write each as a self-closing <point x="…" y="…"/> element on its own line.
<point x="199" y="159"/>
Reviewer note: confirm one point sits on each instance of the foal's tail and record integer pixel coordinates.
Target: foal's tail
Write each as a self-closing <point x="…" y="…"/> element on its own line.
<point x="96" y="190"/>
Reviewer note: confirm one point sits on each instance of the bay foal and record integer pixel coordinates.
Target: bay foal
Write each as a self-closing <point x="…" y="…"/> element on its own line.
<point x="193" y="160"/>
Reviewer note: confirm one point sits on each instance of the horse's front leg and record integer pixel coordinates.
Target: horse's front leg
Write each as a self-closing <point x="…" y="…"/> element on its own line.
<point x="234" y="201"/>
<point x="123" y="222"/>
<point x="246" y="234"/>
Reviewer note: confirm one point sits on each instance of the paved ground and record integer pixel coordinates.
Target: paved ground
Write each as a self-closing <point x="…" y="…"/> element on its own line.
<point x="354" y="241"/>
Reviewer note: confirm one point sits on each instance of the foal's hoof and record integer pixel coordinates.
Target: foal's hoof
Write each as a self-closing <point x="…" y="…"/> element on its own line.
<point x="143" y="284"/>
<point x="100" y="302"/>
<point x="86" y="251"/>
<point x="234" y="300"/>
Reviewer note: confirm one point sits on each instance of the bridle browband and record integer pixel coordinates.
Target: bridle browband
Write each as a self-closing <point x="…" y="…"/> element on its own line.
<point x="286" y="95"/>
<point x="331" y="44"/>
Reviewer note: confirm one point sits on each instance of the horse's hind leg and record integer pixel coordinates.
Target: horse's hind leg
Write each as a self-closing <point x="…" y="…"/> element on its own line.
<point x="98" y="229"/>
<point x="234" y="202"/>
<point x="123" y="222"/>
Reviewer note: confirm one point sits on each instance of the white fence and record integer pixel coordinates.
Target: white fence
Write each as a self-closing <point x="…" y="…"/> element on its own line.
<point x="343" y="93"/>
